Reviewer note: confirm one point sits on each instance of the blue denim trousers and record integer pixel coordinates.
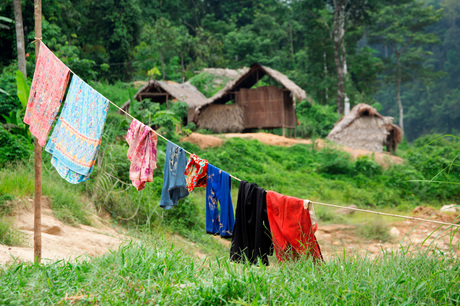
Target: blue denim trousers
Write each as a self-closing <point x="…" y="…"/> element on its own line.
<point x="218" y="188"/>
<point x="174" y="185"/>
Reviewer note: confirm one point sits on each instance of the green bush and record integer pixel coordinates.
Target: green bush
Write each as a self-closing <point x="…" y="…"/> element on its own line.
<point x="367" y="166"/>
<point x="6" y="206"/>
<point x="184" y="217"/>
<point x="8" y="234"/>
<point x="335" y="162"/>
<point x="315" y="120"/>
<point x="375" y="229"/>
<point x="12" y="147"/>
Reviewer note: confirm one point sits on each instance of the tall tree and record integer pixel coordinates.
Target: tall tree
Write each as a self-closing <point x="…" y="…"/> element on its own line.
<point x="347" y="14"/>
<point x="403" y="29"/>
<point x="20" y="37"/>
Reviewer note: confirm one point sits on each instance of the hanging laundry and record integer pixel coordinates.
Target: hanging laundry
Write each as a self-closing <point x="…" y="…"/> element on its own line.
<point x="46" y="93"/>
<point x="174" y="184"/>
<point x="291" y="228"/>
<point x="142" y="153"/>
<point x="75" y="140"/>
<point x="196" y="172"/>
<point x="218" y="188"/>
<point x="251" y="237"/>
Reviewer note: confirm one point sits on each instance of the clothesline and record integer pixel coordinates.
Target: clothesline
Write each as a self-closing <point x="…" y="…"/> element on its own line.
<point x="318" y="203"/>
<point x="386" y="214"/>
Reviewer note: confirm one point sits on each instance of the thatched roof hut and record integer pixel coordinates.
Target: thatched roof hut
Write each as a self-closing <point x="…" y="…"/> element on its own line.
<point x="263" y="107"/>
<point x="165" y="91"/>
<point x="250" y="77"/>
<point x="364" y="128"/>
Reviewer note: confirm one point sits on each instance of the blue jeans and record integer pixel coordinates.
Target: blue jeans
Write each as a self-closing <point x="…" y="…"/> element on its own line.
<point x="218" y="188"/>
<point x="174" y="185"/>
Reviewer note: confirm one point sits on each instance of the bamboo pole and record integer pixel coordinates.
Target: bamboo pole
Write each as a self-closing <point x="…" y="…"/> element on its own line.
<point x="38" y="150"/>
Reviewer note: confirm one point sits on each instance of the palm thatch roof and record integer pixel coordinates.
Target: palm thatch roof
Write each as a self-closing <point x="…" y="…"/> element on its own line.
<point x="221" y="118"/>
<point x="364" y="128"/>
<point x="250" y="77"/>
<point x="169" y="90"/>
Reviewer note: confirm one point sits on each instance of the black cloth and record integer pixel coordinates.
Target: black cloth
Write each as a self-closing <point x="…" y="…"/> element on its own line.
<point x="251" y="235"/>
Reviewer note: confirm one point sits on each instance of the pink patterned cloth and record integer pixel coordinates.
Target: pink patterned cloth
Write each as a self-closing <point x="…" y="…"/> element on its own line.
<point x="142" y="153"/>
<point x="48" y="88"/>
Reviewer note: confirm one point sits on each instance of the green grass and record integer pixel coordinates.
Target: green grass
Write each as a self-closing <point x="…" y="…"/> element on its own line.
<point x="157" y="273"/>
<point x="17" y="180"/>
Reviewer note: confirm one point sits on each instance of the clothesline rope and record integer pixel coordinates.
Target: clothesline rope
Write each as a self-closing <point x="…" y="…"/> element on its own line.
<point x="319" y="203"/>
<point x="386" y="214"/>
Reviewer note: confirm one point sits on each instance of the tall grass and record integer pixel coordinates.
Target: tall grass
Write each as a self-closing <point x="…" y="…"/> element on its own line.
<point x="18" y="180"/>
<point x="155" y="273"/>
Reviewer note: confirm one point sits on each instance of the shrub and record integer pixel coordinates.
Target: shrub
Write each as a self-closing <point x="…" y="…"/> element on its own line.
<point x="315" y="120"/>
<point x="376" y="229"/>
<point x="184" y="217"/>
<point x="8" y="234"/>
<point x="12" y="147"/>
<point x="367" y="166"/>
<point x="335" y="162"/>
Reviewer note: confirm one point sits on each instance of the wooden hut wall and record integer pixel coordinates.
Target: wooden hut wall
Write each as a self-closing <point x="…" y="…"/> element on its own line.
<point x="265" y="107"/>
<point x="290" y="118"/>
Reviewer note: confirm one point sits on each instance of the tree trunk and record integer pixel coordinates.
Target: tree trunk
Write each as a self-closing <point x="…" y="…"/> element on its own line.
<point x="20" y="37"/>
<point x="398" y="92"/>
<point x="182" y="66"/>
<point x="162" y="66"/>
<point x="338" y="64"/>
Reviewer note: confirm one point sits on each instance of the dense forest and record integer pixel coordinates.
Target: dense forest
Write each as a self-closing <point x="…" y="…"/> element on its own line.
<point x="399" y="56"/>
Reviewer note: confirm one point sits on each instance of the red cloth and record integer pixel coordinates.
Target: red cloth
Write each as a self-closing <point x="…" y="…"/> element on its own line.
<point x="291" y="228"/>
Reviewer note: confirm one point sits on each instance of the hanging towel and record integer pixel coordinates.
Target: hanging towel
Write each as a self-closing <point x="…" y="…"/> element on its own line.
<point x="75" y="140"/>
<point x="251" y="236"/>
<point x="218" y="188"/>
<point x="196" y="172"/>
<point x="174" y="185"/>
<point x="142" y="153"/>
<point x="46" y="93"/>
<point x="291" y="228"/>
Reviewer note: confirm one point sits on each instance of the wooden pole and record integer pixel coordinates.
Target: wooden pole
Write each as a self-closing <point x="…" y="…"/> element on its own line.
<point x="38" y="151"/>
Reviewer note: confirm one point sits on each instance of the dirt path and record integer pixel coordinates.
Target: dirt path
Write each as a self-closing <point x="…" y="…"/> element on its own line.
<point x="205" y="141"/>
<point x="61" y="241"/>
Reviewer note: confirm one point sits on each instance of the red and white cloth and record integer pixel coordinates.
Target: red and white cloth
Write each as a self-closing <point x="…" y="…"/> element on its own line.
<point x="196" y="172"/>
<point x="142" y="153"/>
<point x="46" y="93"/>
<point x="291" y="227"/>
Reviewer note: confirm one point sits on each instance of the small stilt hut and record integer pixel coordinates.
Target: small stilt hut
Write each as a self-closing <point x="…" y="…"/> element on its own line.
<point x="364" y="128"/>
<point x="263" y="107"/>
<point x="170" y="92"/>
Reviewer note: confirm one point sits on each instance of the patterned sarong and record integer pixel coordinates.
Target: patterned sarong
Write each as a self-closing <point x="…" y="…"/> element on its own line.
<point x="48" y="87"/>
<point x="142" y="153"/>
<point x="75" y="140"/>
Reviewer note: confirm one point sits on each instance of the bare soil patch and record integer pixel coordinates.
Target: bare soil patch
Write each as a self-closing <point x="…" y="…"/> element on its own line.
<point x="410" y="234"/>
<point x="61" y="241"/>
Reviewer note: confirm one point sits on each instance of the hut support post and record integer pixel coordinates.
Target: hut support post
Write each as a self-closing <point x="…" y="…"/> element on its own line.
<point x="167" y="98"/>
<point x="38" y="151"/>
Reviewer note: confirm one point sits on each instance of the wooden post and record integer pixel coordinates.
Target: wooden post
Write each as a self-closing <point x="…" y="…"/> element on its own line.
<point x="38" y="151"/>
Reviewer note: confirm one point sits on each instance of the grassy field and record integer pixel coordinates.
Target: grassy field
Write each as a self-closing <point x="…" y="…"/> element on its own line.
<point x="154" y="272"/>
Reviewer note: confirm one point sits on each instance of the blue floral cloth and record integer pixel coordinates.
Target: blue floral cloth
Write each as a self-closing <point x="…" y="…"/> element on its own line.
<point x="75" y="140"/>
